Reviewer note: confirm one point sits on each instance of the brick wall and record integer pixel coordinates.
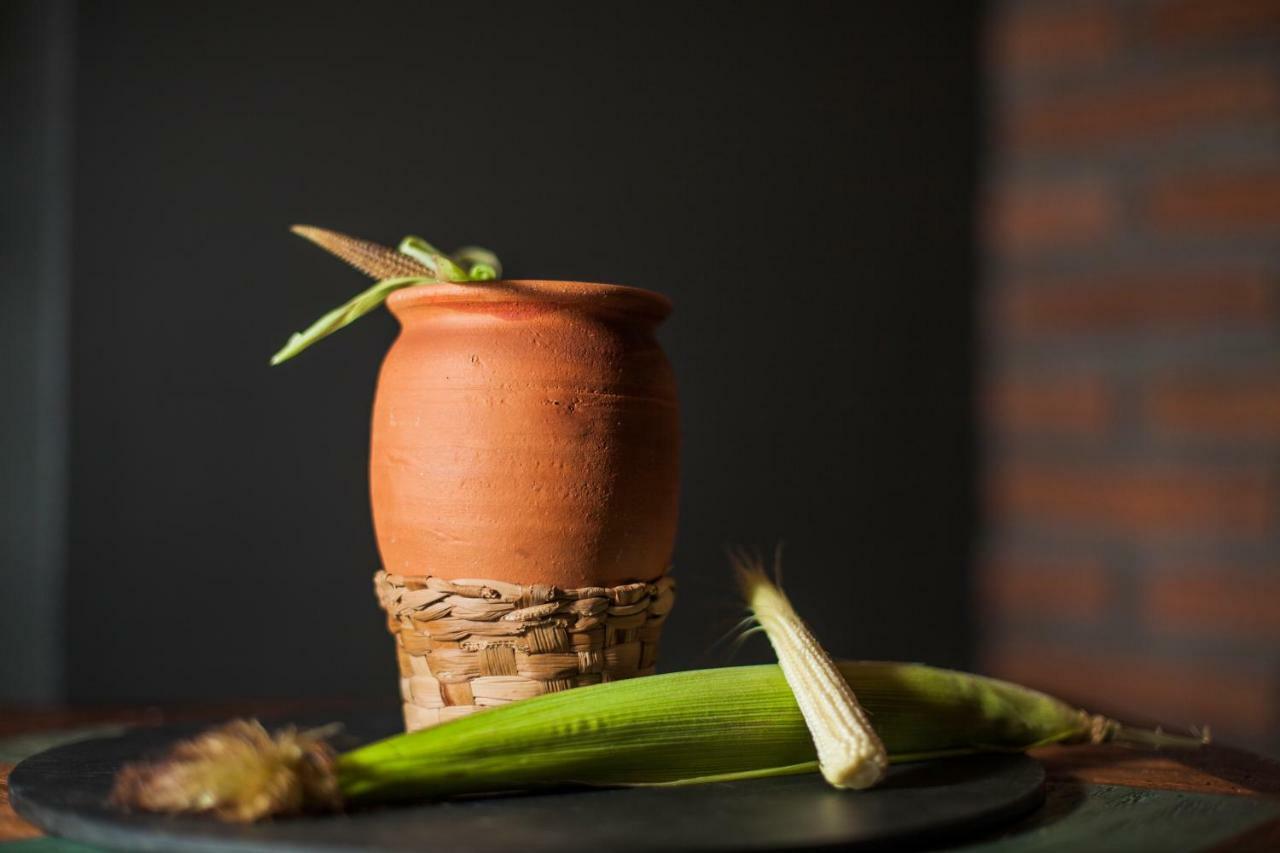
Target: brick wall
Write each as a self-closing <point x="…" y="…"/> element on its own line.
<point x="1131" y="378"/>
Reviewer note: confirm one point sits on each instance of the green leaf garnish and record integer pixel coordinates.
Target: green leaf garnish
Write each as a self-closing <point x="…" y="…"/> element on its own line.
<point x="481" y="264"/>
<point x="469" y="264"/>
<point x="344" y="315"/>
<point x="432" y="258"/>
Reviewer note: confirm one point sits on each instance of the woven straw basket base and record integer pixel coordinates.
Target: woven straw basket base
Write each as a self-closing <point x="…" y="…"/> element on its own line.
<point x="471" y="644"/>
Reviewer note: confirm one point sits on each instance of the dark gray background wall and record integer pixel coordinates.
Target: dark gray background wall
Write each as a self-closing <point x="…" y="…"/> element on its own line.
<point x="36" y="110"/>
<point x="797" y="177"/>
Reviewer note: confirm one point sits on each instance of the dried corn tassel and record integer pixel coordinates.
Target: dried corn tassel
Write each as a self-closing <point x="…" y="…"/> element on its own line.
<point x="370" y="258"/>
<point x="236" y="772"/>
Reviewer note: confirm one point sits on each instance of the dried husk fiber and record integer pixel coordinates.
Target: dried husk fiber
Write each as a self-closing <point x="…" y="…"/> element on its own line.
<point x="467" y="645"/>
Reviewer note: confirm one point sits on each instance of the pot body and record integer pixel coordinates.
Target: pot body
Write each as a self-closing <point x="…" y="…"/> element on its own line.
<point x="527" y="432"/>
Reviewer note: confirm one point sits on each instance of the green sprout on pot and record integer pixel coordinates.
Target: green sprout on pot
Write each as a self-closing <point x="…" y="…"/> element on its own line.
<point x="414" y="261"/>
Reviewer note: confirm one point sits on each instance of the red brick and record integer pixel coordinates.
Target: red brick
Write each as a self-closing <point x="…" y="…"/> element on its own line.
<point x="1081" y="34"/>
<point x="1118" y="112"/>
<point x="1040" y="588"/>
<point x="1137" y="302"/>
<point x="1199" y="23"/>
<point x="1176" y="692"/>
<point x="1217" y="407"/>
<point x="1219" y="601"/>
<point x="1230" y="203"/>
<point x="1030" y="216"/>
<point x="1135" y="500"/>
<point x="1060" y="404"/>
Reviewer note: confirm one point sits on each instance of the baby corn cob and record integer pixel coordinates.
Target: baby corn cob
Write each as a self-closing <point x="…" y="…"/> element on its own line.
<point x="850" y="754"/>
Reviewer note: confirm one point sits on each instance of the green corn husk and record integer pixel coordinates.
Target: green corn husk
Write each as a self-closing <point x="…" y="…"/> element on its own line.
<point x="683" y="728"/>
<point x="698" y="726"/>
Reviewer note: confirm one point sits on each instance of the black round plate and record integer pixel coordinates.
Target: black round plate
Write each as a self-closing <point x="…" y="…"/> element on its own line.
<point x="63" y="791"/>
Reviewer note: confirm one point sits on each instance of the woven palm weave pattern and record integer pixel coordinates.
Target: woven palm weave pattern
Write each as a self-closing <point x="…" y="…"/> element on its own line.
<point x="468" y="645"/>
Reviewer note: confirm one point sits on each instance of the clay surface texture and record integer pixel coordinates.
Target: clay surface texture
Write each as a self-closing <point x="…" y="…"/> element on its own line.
<point x="526" y="431"/>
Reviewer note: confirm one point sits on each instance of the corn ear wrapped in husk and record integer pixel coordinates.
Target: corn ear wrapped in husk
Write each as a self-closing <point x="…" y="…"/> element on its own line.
<point x="702" y="725"/>
<point x="676" y="729"/>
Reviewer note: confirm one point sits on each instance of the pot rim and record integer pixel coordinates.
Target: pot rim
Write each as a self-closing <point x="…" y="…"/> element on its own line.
<point x="588" y="295"/>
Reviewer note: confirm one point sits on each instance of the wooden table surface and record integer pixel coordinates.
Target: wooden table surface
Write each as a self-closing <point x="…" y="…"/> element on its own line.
<point x="1219" y="771"/>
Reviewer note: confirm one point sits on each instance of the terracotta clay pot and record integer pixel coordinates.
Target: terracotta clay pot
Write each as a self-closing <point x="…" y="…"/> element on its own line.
<point x="526" y="431"/>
